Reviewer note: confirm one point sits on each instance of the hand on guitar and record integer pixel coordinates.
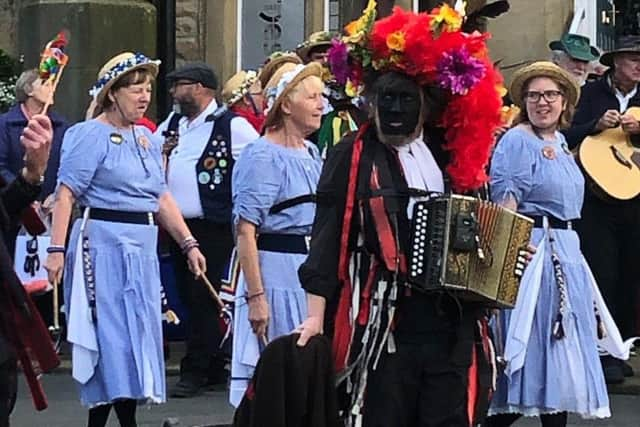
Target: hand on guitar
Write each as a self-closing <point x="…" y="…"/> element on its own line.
<point x="630" y="124"/>
<point x="610" y="119"/>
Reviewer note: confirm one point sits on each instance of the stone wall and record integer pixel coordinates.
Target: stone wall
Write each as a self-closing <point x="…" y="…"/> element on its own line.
<point x="542" y="21"/>
<point x="8" y="10"/>
<point x="190" y="30"/>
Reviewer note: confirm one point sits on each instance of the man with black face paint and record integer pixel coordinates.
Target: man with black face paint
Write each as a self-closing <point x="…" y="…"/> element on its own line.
<point x="199" y="169"/>
<point x="427" y="375"/>
<point x="404" y="358"/>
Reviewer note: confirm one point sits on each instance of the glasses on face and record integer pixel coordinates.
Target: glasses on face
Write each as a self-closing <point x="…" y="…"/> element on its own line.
<point x="549" y="95"/>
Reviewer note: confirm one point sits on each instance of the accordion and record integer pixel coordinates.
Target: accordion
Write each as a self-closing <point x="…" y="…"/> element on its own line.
<point x="469" y="247"/>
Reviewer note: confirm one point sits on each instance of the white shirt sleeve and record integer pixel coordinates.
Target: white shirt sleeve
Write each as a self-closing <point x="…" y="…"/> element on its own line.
<point x="242" y="134"/>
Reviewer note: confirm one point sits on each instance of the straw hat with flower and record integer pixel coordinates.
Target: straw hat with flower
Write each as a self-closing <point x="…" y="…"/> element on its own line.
<point x="274" y="62"/>
<point x="117" y="67"/>
<point x="286" y="84"/>
<point x="543" y="69"/>
<point x="238" y="86"/>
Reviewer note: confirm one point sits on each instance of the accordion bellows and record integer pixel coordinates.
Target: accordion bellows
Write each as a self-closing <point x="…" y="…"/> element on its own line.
<point x="468" y="247"/>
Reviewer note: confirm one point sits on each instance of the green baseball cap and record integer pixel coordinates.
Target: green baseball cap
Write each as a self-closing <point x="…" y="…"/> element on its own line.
<point x="576" y="46"/>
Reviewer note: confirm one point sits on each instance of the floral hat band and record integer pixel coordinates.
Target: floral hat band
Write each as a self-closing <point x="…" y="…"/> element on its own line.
<point x="274" y="93"/>
<point x="119" y="65"/>
<point x="432" y="49"/>
<point x="238" y="86"/>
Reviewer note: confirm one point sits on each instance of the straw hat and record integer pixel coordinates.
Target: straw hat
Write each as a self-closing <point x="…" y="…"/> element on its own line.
<point x="287" y="82"/>
<point x="317" y="39"/>
<point x="117" y="67"/>
<point x="276" y="60"/>
<point x="544" y="69"/>
<point x="238" y="86"/>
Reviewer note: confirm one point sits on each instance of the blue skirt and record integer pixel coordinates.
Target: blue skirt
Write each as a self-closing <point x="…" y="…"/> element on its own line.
<point x="557" y="374"/>
<point x="287" y="309"/>
<point x="128" y="329"/>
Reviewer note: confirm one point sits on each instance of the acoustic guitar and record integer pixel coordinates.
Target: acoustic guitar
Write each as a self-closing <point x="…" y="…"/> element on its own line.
<point x="612" y="161"/>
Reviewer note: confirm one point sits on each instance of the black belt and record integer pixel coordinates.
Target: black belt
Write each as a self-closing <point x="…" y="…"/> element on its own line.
<point x="285" y="243"/>
<point x="122" y="216"/>
<point x="538" y="221"/>
<point x="289" y="203"/>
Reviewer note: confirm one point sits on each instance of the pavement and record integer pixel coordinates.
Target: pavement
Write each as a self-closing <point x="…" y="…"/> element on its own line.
<point x="211" y="408"/>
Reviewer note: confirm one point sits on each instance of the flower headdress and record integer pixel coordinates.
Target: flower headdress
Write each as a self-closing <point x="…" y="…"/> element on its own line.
<point x="432" y="49"/>
<point x="116" y="67"/>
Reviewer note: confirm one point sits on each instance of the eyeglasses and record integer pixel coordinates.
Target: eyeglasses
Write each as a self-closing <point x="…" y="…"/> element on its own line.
<point x="549" y="95"/>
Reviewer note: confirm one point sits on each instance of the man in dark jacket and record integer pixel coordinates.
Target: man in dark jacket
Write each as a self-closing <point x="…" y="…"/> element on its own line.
<point x="14" y="308"/>
<point x="610" y="229"/>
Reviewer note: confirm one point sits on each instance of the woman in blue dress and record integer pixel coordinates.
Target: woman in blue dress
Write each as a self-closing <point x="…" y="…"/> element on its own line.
<point x="273" y="186"/>
<point x="113" y="170"/>
<point x="550" y="338"/>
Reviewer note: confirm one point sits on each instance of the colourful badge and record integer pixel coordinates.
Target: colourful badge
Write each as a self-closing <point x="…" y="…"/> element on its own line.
<point x="223" y="163"/>
<point x="143" y="141"/>
<point x="116" y="138"/>
<point x="209" y="163"/>
<point x="549" y="152"/>
<point x="204" y="178"/>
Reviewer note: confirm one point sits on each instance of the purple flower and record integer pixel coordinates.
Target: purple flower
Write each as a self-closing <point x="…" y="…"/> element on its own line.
<point x="458" y="71"/>
<point x="338" y="58"/>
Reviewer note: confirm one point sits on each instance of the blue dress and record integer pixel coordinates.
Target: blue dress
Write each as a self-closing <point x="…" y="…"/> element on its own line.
<point x="120" y="354"/>
<point x="544" y="374"/>
<point x="265" y="174"/>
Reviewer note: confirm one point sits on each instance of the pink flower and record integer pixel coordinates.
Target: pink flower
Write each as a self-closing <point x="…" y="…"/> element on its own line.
<point x="338" y="58"/>
<point x="458" y="71"/>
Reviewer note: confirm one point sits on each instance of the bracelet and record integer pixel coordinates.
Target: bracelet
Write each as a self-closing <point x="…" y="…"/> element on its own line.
<point x="257" y="294"/>
<point x="187" y="240"/>
<point x="190" y="245"/>
<point x="55" y="249"/>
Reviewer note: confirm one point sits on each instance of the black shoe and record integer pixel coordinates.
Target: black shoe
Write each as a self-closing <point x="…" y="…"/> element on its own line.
<point x="187" y="388"/>
<point x="612" y="369"/>
<point x="171" y="422"/>
<point x="218" y="381"/>
<point x="627" y="370"/>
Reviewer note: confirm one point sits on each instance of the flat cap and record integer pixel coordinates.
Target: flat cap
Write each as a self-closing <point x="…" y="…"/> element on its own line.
<point x="198" y="72"/>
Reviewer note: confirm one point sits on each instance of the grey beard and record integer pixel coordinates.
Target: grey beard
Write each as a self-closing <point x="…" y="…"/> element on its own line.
<point x="398" y="140"/>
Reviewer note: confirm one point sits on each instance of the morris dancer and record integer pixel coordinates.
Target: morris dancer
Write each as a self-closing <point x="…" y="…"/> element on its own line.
<point x="551" y="354"/>
<point x="113" y="169"/>
<point x="274" y="184"/>
<point x="407" y="358"/>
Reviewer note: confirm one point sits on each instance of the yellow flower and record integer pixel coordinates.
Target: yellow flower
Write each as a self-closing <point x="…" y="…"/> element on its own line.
<point x="395" y="41"/>
<point x="359" y="25"/>
<point x="502" y="91"/>
<point x="447" y="16"/>
<point x="351" y="90"/>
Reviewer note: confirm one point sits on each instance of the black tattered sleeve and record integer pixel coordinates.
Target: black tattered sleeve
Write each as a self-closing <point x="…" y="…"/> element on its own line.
<point x="319" y="273"/>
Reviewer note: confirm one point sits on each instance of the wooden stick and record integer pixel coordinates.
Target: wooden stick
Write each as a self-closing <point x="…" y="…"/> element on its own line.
<point x="56" y="308"/>
<point x="212" y="291"/>
<point x="53" y="90"/>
